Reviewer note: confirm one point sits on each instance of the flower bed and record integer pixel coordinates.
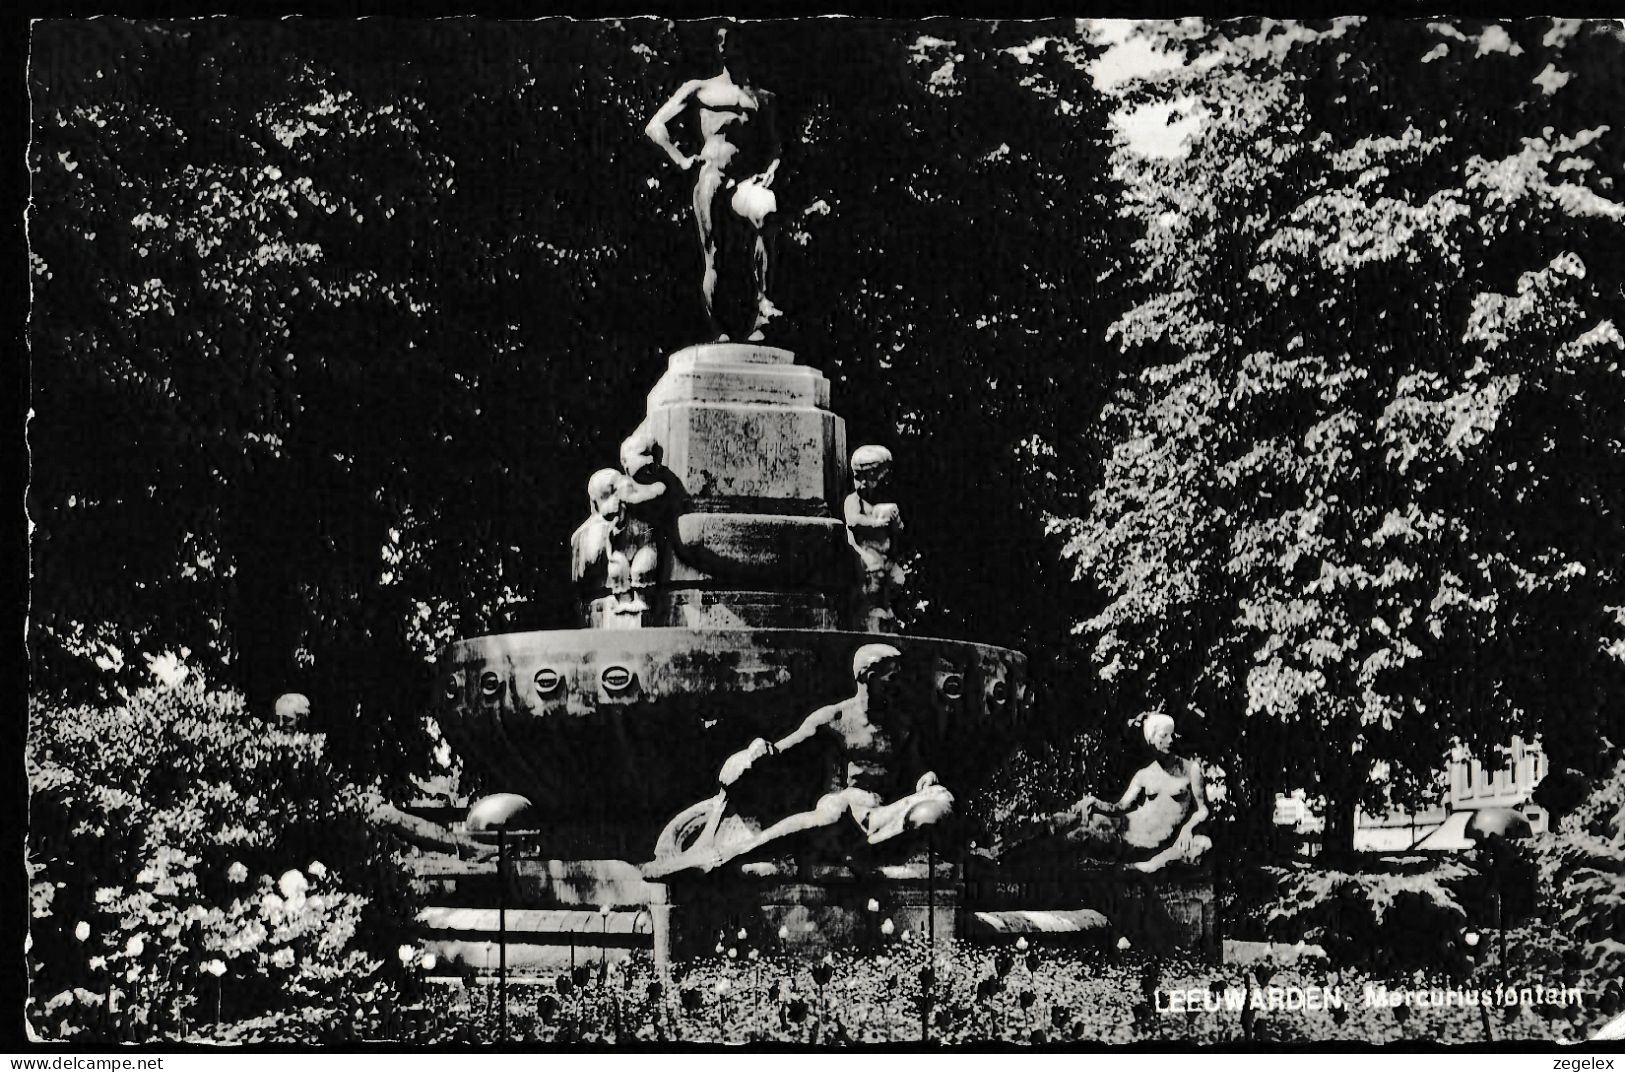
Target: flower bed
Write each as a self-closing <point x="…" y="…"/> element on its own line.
<point x="977" y="994"/>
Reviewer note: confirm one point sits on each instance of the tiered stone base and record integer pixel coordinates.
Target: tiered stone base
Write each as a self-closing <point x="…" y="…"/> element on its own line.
<point x="810" y="913"/>
<point x="1169" y="910"/>
<point x="558" y="912"/>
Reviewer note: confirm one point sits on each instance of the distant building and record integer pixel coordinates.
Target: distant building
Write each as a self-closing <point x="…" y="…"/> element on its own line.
<point x="1466" y="785"/>
<point x="1472" y="786"/>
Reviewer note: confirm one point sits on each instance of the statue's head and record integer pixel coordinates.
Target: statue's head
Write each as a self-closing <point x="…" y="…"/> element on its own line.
<point x="603" y="492"/>
<point x="871" y="468"/>
<point x="292" y="709"/>
<point x="639" y="452"/>
<point x="875" y="667"/>
<point x="1159" y="732"/>
<point x="730" y="52"/>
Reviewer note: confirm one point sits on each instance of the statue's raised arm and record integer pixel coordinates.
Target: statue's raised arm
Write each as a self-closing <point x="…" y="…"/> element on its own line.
<point x="660" y="133"/>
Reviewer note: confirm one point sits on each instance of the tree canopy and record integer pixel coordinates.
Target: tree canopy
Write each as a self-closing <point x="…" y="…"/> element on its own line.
<point x="1362" y="490"/>
<point x="333" y="319"/>
<point x="1314" y="389"/>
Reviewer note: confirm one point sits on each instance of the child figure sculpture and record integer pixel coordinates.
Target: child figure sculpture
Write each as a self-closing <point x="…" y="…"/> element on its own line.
<point x="594" y="562"/>
<point x="872" y="527"/>
<point x="641" y="493"/>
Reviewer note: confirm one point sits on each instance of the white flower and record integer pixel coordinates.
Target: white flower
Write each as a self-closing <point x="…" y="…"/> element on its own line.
<point x="98" y="963"/>
<point x="292" y="884"/>
<point x="429" y="962"/>
<point x="1021" y="943"/>
<point x="317" y="868"/>
<point x="216" y="968"/>
<point x="253" y="933"/>
<point x="733" y="954"/>
<point x="315" y="904"/>
<point x="1123" y="942"/>
<point x="722" y="986"/>
<point x="754" y="954"/>
<point x="406" y="953"/>
<point x="873" y="905"/>
<point x="742" y="934"/>
<point x="236" y="872"/>
<point x="270" y="904"/>
<point x="784" y="933"/>
<point x="82" y="931"/>
<point x="283" y="958"/>
<point x="135" y="946"/>
<point x="719" y="949"/>
<point x="888" y="928"/>
<point x="603" y="910"/>
<point x="1471" y="938"/>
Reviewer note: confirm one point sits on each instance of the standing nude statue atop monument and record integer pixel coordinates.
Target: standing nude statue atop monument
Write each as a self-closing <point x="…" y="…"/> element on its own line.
<point x="874" y="778"/>
<point x="734" y="205"/>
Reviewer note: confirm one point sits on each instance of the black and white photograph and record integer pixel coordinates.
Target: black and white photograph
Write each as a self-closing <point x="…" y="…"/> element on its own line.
<point x="823" y="533"/>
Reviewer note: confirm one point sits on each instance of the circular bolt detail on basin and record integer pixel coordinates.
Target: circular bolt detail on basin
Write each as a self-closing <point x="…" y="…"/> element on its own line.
<point x="548" y="681"/>
<point x="953" y="686"/>
<point x="490" y="684"/>
<point x="616" y="678"/>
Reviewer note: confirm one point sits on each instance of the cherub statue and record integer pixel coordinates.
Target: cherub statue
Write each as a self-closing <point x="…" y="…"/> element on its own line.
<point x="1153" y="825"/>
<point x="642" y="493"/>
<point x="876" y="776"/>
<point x="594" y="562"/>
<point x="872" y="527"/>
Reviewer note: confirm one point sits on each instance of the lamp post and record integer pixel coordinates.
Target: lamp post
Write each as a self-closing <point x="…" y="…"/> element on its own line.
<point x="1494" y="830"/>
<point x="498" y="812"/>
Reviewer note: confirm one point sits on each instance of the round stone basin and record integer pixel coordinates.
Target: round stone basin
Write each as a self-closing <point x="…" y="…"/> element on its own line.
<point x="612" y="732"/>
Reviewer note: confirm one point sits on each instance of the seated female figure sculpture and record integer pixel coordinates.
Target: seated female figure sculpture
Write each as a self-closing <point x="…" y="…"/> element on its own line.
<point x="1153" y="825"/>
<point x="875" y="754"/>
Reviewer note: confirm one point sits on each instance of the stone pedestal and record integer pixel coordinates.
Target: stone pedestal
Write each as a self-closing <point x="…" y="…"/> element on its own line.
<point x="749" y="436"/>
<point x="818" y="909"/>
<point x="555" y="909"/>
<point x="1161" y="912"/>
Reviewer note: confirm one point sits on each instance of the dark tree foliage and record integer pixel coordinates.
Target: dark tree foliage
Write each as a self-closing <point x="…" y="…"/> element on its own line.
<point x="1363" y="490"/>
<point x="332" y="319"/>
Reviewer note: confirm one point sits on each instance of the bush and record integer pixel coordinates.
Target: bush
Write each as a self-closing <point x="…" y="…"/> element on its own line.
<point x="1410" y="915"/>
<point x="188" y="865"/>
<point x="1582" y="884"/>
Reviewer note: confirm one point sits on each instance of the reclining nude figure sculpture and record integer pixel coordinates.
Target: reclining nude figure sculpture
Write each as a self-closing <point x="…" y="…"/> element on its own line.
<point x="1153" y="825"/>
<point x="875" y="753"/>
